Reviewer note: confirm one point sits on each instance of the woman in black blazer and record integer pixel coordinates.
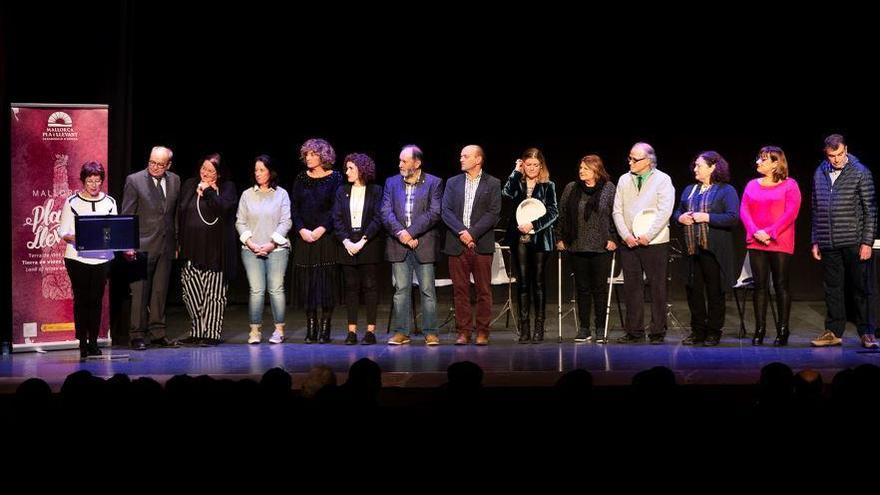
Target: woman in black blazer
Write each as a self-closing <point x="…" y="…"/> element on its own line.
<point x="358" y="226"/>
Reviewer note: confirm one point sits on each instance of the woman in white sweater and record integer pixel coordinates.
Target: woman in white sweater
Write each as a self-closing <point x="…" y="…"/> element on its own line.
<point x="87" y="271"/>
<point x="263" y="221"/>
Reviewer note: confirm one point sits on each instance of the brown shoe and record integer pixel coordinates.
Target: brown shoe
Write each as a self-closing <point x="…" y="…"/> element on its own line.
<point x="869" y="342"/>
<point x="398" y="339"/>
<point x="432" y="339"/>
<point x="826" y="339"/>
<point x="482" y="338"/>
<point x="463" y="339"/>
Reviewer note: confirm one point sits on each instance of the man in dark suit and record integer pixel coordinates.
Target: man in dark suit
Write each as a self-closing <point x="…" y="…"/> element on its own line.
<point x="410" y="213"/>
<point x="471" y="205"/>
<point x="151" y="194"/>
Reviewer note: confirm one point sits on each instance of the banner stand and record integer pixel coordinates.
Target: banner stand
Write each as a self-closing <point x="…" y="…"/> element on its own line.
<point x="48" y="145"/>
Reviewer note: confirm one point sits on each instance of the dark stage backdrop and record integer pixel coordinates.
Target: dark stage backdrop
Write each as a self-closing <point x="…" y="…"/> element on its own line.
<point x="243" y="80"/>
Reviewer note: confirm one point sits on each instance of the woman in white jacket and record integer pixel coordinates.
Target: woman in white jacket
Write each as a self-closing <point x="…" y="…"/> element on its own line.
<point x="87" y="271"/>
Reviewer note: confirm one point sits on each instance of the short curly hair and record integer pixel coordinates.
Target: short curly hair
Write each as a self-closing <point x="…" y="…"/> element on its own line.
<point x="366" y="167"/>
<point x="322" y="148"/>
<point x="722" y="169"/>
<point x="90" y="169"/>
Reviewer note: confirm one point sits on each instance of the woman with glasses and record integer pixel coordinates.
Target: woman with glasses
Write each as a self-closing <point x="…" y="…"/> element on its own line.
<point x="770" y="206"/>
<point x="87" y="271"/>
<point x="708" y="211"/>
<point x="206" y="219"/>
<point x="531" y="243"/>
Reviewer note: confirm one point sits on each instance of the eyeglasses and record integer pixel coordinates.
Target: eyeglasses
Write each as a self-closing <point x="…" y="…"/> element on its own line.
<point x="635" y="160"/>
<point x="156" y="164"/>
<point x="96" y="182"/>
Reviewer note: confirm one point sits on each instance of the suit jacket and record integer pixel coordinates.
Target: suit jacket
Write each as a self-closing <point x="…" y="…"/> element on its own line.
<point x="156" y="219"/>
<point x="543" y="238"/>
<point x="371" y="225"/>
<point x="484" y="214"/>
<point x="425" y="216"/>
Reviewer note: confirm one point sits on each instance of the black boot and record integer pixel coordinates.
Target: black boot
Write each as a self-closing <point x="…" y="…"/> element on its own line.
<point x="324" y="338"/>
<point x="83" y="350"/>
<point x="782" y="334"/>
<point x="311" y="329"/>
<point x="92" y="346"/>
<point x="525" y="336"/>
<point x="760" y="300"/>
<point x="758" y="339"/>
<point x="538" y="334"/>
<point x="540" y="307"/>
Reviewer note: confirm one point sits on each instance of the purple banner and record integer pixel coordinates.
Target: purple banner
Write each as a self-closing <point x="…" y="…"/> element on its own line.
<point x="49" y="145"/>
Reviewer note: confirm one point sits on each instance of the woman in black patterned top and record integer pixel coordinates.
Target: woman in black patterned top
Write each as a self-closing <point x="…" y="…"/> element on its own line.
<point x="586" y="230"/>
<point x="316" y="273"/>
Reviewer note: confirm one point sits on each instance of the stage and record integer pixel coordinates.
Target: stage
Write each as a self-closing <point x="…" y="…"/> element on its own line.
<point x="505" y="363"/>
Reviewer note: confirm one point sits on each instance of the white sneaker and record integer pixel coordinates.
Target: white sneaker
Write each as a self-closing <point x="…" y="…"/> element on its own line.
<point x="277" y="337"/>
<point x="255" y="336"/>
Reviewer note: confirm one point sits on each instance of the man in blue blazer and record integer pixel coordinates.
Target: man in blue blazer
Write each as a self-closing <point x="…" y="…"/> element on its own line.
<point x="471" y="205"/>
<point x="410" y="213"/>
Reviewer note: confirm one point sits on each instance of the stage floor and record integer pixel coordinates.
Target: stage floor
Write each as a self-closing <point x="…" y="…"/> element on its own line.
<point x="504" y="362"/>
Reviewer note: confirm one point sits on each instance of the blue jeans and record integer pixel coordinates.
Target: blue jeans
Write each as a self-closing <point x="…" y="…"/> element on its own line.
<point x="265" y="273"/>
<point x="402" y="272"/>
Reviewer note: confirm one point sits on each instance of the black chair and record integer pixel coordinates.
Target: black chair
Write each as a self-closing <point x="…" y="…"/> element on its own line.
<point x="746" y="283"/>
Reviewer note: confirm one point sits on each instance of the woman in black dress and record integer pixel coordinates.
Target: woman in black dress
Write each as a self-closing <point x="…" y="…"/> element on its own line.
<point x="316" y="273"/>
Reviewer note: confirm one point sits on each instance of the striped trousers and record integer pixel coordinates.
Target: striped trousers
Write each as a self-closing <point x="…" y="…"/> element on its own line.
<point x="204" y="294"/>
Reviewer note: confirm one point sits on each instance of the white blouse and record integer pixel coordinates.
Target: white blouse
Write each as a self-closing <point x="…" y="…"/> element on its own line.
<point x="356" y="205"/>
<point x="79" y="205"/>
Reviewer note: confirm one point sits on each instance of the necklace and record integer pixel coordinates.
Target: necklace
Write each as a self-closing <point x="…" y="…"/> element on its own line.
<point x="199" y="209"/>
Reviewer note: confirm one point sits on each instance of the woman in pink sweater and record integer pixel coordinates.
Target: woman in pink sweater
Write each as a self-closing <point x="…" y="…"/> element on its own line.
<point x="770" y="205"/>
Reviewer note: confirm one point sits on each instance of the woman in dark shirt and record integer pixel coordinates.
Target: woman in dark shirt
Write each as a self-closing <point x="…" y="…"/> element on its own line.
<point x="586" y="230"/>
<point x="316" y="273"/>
<point x="206" y="220"/>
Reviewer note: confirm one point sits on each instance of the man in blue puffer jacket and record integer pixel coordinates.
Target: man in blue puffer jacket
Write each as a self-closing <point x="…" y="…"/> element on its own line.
<point x="844" y="223"/>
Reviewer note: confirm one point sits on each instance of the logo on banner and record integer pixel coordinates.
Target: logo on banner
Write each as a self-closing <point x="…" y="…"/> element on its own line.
<point x="60" y="128"/>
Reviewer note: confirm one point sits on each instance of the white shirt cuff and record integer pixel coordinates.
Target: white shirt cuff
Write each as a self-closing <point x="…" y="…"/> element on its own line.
<point x="278" y="239"/>
<point x="245" y="236"/>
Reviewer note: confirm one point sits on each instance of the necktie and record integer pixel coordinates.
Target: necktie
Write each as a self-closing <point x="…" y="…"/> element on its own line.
<point x="639" y="182"/>
<point x="159" y="187"/>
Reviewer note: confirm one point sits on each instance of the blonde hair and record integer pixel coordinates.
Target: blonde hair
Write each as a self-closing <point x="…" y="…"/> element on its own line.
<point x="544" y="174"/>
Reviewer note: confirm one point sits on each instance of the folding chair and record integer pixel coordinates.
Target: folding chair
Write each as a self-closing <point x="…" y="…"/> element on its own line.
<point x="746" y="283"/>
